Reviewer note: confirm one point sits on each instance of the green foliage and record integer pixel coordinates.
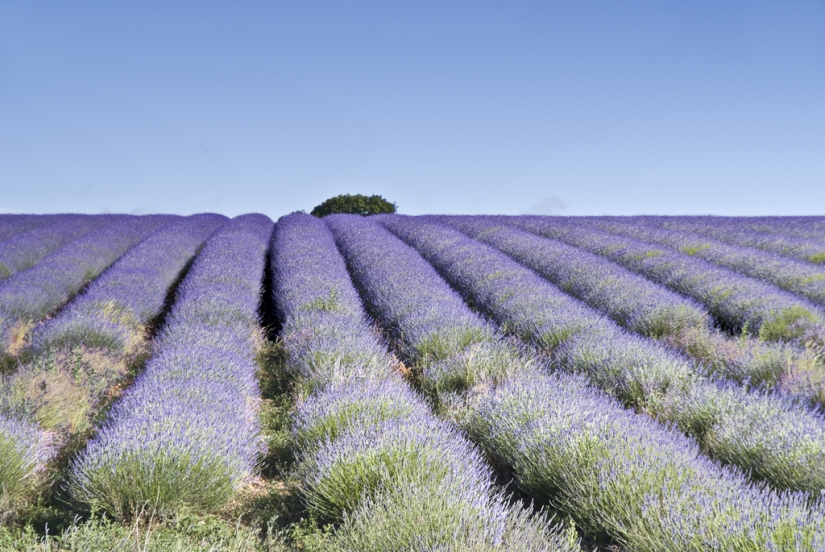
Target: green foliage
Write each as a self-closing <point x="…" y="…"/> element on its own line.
<point x="789" y="324"/>
<point x="139" y="483"/>
<point x="694" y="249"/>
<point x="404" y="518"/>
<point x="276" y="407"/>
<point x="15" y="475"/>
<point x="354" y="204"/>
<point x="182" y="534"/>
<point x="818" y="258"/>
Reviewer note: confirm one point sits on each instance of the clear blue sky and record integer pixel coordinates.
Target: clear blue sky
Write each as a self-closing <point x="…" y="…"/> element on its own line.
<point x="443" y="107"/>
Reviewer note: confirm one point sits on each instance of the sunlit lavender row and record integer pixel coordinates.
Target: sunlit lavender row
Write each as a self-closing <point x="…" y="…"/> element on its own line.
<point x="370" y="455"/>
<point x="12" y="225"/>
<point x="771" y="437"/>
<point x="25" y="249"/>
<point x="807" y="249"/>
<point x="648" y="309"/>
<point x="120" y="303"/>
<point x="443" y="382"/>
<point x="78" y="356"/>
<point x="736" y="301"/>
<point x="388" y="272"/>
<point x="30" y="295"/>
<point x="800" y="278"/>
<point x="812" y="228"/>
<point x="186" y="433"/>
<point x="448" y="346"/>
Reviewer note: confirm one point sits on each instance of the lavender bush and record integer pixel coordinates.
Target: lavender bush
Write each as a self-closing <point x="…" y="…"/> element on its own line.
<point x="735" y="233"/>
<point x="784" y="440"/>
<point x="30" y="295"/>
<point x="24" y="452"/>
<point x="804" y="227"/>
<point x="452" y="348"/>
<point x="736" y="301"/>
<point x="644" y="307"/>
<point x="615" y="472"/>
<point x="185" y="435"/>
<point x="325" y="333"/>
<point x="594" y="494"/>
<point x="116" y="307"/>
<point x="371" y="456"/>
<point x="631" y="300"/>
<point x="12" y="225"/>
<point x="81" y="354"/>
<point x="28" y="248"/>
<point x="799" y="278"/>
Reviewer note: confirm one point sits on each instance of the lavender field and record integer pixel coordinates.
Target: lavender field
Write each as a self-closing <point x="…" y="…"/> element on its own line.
<point x="400" y="383"/>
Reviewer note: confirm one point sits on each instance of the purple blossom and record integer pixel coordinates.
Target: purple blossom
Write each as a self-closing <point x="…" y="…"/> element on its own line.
<point x="639" y="372"/>
<point x="800" y="278"/>
<point x="28" y="248"/>
<point x="186" y="432"/>
<point x="631" y="300"/>
<point x="369" y="450"/>
<point x="616" y="472"/>
<point x="30" y="295"/>
<point x="12" y="225"/>
<point x="736" y="232"/>
<point x="734" y="300"/>
<point x="131" y="292"/>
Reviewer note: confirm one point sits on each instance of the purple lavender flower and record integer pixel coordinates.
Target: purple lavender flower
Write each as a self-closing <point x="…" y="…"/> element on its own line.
<point x="637" y="371"/>
<point x="30" y="295"/>
<point x="616" y="472"/>
<point x="186" y="433"/>
<point x="420" y="310"/>
<point x="119" y="303"/>
<point x="631" y="300"/>
<point x="734" y="300"/>
<point x="25" y="450"/>
<point x="369" y="450"/>
<point x="799" y="278"/>
<point x="325" y="331"/>
<point x="59" y="391"/>
<point x="12" y="225"/>
<point x="28" y="248"/>
<point x="735" y="232"/>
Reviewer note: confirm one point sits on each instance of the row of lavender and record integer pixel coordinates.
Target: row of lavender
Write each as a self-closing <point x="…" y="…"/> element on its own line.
<point x="770" y="436"/>
<point x="650" y="310"/>
<point x="31" y="294"/>
<point x="76" y="359"/>
<point x="12" y="225"/>
<point x="447" y="361"/>
<point x="37" y="238"/>
<point x="186" y="432"/>
<point x="801" y="278"/>
<point x="370" y="455"/>
<point x="614" y="471"/>
<point x="734" y="300"/>
<point x="802" y="239"/>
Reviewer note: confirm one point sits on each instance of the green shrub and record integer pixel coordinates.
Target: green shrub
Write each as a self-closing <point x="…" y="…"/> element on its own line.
<point x="354" y="204"/>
